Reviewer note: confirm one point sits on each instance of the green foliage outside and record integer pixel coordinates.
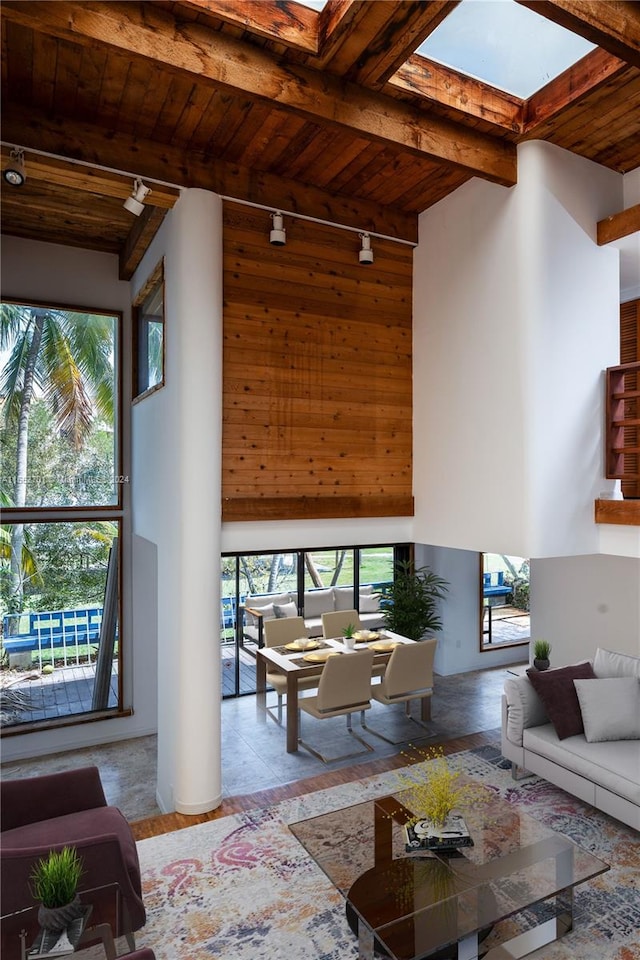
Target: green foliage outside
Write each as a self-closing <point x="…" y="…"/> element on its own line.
<point x="71" y="560"/>
<point x="271" y="573"/>
<point x="55" y="878"/>
<point x="58" y="475"/>
<point x="57" y="446"/>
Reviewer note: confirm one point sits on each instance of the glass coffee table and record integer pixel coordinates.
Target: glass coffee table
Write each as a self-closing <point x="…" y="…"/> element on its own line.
<point x="444" y="905"/>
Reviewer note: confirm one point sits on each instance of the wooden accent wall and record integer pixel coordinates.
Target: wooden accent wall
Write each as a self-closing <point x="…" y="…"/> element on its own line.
<point x="630" y="353"/>
<point x="317" y="373"/>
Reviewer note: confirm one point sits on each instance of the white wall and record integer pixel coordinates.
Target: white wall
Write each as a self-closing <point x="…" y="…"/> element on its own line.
<point x="458" y="649"/>
<point x="515" y="317"/>
<point x="176" y="502"/>
<point x="295" y="534"/>
<point x="468" y="395"/>
<point x="629" y="247"/>
<point x="84" y="278"/>
<point x="631" y="188"/>
<point x="581" y="603"/>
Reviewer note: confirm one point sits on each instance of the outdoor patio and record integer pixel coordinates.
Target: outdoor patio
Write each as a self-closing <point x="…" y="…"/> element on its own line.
<point x="62" y="693"/>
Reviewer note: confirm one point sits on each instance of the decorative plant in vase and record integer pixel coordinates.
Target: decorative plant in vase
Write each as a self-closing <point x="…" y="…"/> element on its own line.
<point x="440" y="791"/>
<point x="410" y="603"/>
<point x="541" y="651"/>
<point x="348" y="631"/>
<point x="54" y="882"/>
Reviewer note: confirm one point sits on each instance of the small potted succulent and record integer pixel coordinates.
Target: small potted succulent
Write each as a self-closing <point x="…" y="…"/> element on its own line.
<point x="54" y="882"/>
<point x="349" y="636"/>
<point x="541" y="651"/>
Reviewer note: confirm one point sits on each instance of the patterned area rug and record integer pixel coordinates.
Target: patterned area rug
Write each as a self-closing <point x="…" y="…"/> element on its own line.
<point x="242" y="888"/>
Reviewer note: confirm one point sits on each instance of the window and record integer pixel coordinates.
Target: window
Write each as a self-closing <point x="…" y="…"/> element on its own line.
<point x="148" y="335"/>
<point x="504" y="600"/>
<point x="505" y="45"/>
<point x="62" y="491"/>
<point x="300" y="577"/>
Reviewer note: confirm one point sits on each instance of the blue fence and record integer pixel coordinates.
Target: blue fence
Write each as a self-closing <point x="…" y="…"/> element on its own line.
<point x="50" y="629"/>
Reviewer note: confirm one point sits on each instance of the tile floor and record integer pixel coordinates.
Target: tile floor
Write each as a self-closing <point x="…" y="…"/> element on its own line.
<point x="253" y="747"/>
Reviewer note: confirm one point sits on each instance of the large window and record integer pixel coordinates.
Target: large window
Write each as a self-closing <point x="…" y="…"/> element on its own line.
<point x="504" y="600"/>
<point x="61" y="486"/>
<point x="305" y="578"/>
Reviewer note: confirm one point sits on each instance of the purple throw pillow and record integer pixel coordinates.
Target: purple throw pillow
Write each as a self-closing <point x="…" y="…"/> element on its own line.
<point x="558" y="694"/>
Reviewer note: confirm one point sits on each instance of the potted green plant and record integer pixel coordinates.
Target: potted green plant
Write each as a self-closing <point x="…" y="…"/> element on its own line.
<point x="54" y="882"/>
<point x="541" y="651"/>
<point x="410" y="603"/>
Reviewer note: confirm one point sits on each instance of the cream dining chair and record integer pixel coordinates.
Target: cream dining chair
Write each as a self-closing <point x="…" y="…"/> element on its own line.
<point x="344" y="689"/>
<point x="276" y="633"/>
<point x="409" y="676"/>
<point x="336" y="621"/>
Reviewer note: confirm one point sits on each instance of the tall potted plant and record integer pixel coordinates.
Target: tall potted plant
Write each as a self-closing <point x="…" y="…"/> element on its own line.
<point x="410" y="603"/>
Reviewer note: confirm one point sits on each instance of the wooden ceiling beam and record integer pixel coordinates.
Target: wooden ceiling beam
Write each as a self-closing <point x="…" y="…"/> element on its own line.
<point x="619" y="225"/>
<point x="37" y="130"/>
<point x="579" y="80"/>
<point x="143" y="230"/>
<point x="371" y="43"/>
<point x="433" y="81"/>
<point x="289" y="23"/>
<point x="193" y="50"/>
<point x="613" y="25"/>
<point x="90" y="180"/>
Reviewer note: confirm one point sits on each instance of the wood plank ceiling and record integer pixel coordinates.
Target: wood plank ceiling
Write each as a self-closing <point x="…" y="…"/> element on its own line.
<point x="327" y="114"/>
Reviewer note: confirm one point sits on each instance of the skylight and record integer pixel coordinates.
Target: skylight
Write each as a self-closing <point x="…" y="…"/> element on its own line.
<point x="314" y="4"/>
<point x="504" y="44"/>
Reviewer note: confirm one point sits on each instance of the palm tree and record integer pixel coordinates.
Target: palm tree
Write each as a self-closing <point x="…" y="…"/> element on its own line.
<point x="68" y="359"/>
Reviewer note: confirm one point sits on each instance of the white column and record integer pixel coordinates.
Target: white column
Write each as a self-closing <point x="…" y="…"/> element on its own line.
<point x="193" y="282"/>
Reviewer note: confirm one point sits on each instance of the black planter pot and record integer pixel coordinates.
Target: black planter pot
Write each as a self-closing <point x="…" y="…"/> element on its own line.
<point x="542" y="664"/>
<point x="59" y="918"/>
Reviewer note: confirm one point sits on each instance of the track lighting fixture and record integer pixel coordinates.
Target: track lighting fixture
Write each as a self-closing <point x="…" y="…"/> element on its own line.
<point x="278" y="236"/>
<point x="15" y="173"/>
<point x="135" y="203"/>
<point x="366" y="253"/>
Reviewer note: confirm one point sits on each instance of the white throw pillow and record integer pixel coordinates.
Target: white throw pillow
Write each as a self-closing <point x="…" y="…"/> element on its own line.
<point x="610" y="708"/>
<point x="526" y="709"/>
<point x="343" y="598"/>
<point x="369" y="604"/>
<point x="265" y="605"/>
<point x="317" y="602"/>
<point x="266" y="611"/>
<point x="283" y="610"/>
<point x="606" y="663"/>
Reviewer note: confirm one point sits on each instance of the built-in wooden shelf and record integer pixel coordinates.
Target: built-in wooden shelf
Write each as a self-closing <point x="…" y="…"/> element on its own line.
<point x="618" y="511"/>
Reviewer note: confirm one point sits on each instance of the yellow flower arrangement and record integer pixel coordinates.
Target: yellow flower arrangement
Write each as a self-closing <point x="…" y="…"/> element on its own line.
<point x="440" y="792"/>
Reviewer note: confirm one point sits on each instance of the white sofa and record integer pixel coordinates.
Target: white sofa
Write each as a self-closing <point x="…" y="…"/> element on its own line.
<point x="316" y="602"/>
<point x="602" y="772"/>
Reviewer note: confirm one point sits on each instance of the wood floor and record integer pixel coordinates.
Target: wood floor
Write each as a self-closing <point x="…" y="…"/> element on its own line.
<point x="166" y="823"/>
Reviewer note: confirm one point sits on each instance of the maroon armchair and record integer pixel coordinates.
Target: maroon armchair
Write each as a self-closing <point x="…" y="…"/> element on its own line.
<point x="46" y="813"/>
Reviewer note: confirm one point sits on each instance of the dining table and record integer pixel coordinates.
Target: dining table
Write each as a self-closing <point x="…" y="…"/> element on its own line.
<point x="294" y="666"/>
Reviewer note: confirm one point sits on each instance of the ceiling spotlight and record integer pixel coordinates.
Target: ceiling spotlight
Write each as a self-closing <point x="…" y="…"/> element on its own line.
<point x="135" y="203"/>
<point x="278" y="236"/>
<point x="366" y="253"/>
<point x="15" y="173"/>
